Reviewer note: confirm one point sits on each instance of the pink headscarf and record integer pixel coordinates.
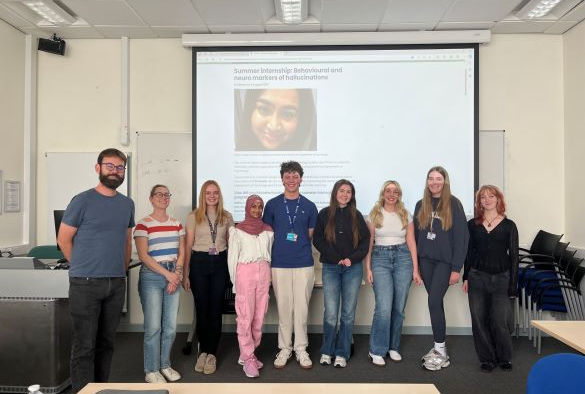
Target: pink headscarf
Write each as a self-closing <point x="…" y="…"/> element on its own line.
<point x="250" y="225"/>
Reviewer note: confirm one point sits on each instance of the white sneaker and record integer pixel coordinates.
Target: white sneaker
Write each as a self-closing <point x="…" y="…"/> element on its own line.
<point x="304" y="359"/>
<point x="436" y="361"/>
<point x="282" y="358"/>
<point x="154" y="377"/>
<point x="377" y="360"/>
<point x="170" y="374"/>
<point x="394" y="355"/>
<point x="340" y="362"/>
<point x="325" y="359"/>
<point x="200" y="363"/>
<point x="428" y="355"/>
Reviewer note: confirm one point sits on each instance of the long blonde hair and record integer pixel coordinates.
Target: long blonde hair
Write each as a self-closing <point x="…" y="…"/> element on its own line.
<point x="444" y="207"/>
<point x="376" y="216"/>
<point x="202" y="205"/>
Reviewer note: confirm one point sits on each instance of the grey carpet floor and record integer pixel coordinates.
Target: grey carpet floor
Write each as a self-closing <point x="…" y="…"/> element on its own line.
<point x="463" y="376"/>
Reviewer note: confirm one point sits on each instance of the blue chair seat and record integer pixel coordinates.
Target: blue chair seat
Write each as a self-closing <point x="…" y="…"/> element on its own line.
<point x="557" y="373"/>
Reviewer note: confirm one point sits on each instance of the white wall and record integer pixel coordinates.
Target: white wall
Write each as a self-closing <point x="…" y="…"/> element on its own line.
<point x="12" y="156"/>
<point x="574" y="72"/>
<point x="79" y="110"/>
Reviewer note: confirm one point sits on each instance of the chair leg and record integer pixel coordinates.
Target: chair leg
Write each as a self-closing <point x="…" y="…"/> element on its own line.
<point x="539" y="348"/>
<point x="517" y="315"/>
<point x="529" y="312"/>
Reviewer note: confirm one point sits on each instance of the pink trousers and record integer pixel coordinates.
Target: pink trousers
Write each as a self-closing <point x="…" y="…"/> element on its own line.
<point x="252" y="284"/>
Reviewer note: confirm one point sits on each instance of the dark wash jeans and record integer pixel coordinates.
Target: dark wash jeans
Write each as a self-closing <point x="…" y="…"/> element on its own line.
<point x="491" y="312"/>
<point x="96" y="305"/>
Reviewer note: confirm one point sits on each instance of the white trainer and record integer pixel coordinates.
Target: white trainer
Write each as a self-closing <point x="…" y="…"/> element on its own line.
<point x="170" y="374"/>
<point x="394" y="355"/>
<point x="282" y="358"/>
<point x="377" y="360"/>
<point x="437" y="361"/>
<point x="340" y="362"/>
<point x="304" y="359"/>
<point x="154" y="377"/>
<point x="325" y="359"/>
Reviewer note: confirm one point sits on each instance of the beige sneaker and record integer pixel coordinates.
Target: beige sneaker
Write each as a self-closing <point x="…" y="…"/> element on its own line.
<point x="282" y="358"/>
<point x="200" y="364"/>
<point x="210" y="365"/>
<point x="304" y="359"/>
<point x="154" y="377"/>
<point x="170" y="374"/>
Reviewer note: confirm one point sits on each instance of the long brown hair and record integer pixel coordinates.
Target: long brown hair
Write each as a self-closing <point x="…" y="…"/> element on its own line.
<point x="333" y="204"/>
<point x="500" y="207"/>
<point x="202" y="205"/>
<point x="444" y="207"/>
<point x="376" y="216"/>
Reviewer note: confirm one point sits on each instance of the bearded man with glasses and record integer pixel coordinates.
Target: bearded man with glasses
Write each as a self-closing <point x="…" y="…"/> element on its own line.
<point x="95" y="237"/>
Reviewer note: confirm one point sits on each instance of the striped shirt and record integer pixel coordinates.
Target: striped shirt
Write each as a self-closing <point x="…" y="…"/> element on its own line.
<point x="163" y="237"/>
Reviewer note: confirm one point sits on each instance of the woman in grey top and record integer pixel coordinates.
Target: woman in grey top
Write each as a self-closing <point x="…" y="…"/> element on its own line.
<point x="441" y="236"/>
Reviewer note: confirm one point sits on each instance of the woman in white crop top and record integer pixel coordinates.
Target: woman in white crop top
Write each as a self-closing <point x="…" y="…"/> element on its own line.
<point x="391" y="266"/>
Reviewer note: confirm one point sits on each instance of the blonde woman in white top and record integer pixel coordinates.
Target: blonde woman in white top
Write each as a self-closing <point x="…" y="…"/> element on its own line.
<point x="250" y="244"/>
<point x="391" y="266"/>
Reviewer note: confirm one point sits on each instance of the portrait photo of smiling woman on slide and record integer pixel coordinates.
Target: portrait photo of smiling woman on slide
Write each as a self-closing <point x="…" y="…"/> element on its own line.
<point x="275" y="120"/>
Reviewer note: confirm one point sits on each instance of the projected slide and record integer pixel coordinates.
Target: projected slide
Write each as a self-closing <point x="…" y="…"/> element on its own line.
<point x="364" y="115"/>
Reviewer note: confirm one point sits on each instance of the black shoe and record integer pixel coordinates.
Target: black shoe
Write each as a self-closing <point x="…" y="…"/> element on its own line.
<point x="487" y="367"/>
<point x="507" y="366"/>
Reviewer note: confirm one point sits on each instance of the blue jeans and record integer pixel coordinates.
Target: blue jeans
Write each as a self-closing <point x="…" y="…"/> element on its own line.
<point x="96" y="306"/>
<point x="340" y="282"/>
<point x="160" y="317"/>
<point x="392" y="270"/>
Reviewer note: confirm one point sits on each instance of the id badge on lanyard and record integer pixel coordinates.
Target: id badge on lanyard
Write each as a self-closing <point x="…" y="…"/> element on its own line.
<point x="213" y="230"/>
<point x="291" y="236"/>
<point x="430" y="234"/>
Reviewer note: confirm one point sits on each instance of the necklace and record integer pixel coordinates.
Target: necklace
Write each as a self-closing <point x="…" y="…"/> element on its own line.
<point x="489" y="222"/>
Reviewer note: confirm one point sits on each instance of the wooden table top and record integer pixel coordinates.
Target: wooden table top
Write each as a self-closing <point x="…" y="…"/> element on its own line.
<point x="269" y="388"/>
<point x="569" y="332"/>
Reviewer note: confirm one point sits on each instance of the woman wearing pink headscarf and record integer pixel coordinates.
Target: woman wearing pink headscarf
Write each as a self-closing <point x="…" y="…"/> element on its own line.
<point x="250" y="244"/>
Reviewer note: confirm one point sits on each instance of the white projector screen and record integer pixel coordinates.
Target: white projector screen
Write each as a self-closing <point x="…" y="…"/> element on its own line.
<point x="366" y="114"/>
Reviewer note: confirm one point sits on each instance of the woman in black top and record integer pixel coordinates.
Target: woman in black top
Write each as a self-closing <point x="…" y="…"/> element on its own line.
<point x="490" y="278"/>
<point x="342" y="237"/>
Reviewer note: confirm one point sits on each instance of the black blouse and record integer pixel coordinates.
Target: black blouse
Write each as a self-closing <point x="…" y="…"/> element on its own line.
<point x="493" y="252"/>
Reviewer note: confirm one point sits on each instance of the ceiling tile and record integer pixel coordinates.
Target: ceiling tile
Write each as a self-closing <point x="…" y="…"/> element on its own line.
<point x="177" y="32"/>
<point x="274" y="25"/>
<point x="332" y="27"/>
<point x="236" y="29"/>
<point x="230" y="12"/>
<point x="353" y="12"/>
<point x="576" y="14"/>
<point x="171" y="13"/>
<point x="465" y="25"/>
<point x="126" y="31"/>
<point x="473" y="10"/>
<point x="13" y="19"/>
<point x="104" y="12"/>
<point x="420" y="11"/>
<point x="560" y="27"/>
<point x="73" y="31"/>
<point x="519" y="27"/>
<point x="396" y="26"/>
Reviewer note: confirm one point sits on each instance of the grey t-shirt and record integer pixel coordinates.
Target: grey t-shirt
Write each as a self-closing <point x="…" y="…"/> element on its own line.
<point x="99" y="244"/>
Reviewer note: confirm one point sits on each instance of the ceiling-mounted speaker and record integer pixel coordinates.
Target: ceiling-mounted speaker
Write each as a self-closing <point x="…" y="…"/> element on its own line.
<point x="55" y="45"/>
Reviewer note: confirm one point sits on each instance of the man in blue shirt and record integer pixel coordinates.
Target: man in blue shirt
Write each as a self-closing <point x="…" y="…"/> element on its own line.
<point x="95" y="237"/>
<point x="293" y="218"/>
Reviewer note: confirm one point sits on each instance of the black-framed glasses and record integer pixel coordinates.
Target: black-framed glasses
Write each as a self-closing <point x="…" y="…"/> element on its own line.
<point x="6" y="253"/>
<point x="161" y="195"/>
<point x="112" y="167"/>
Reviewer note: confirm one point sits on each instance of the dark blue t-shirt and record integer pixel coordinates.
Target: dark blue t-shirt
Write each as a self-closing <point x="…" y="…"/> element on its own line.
<point x="287" y="254"/>
<point x="99" y="245"/>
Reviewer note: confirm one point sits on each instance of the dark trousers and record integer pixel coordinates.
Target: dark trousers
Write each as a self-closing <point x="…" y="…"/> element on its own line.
<point x="208" y="276"/>
<point x="435" y="276"/>
<point x="491" y="313"/>
<point x="96" y="305"/>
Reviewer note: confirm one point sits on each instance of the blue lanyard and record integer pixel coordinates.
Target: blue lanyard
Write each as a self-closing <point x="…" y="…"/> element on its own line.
<point x="292" y="220"/>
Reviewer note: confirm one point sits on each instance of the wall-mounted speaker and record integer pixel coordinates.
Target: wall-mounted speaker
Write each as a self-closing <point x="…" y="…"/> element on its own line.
<point x="55" y="45"/>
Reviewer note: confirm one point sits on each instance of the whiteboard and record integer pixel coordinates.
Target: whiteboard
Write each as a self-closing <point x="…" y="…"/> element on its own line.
<point x="492" y="158"/>
<point x="164" y="158"/>
<point x="68" y="174"/>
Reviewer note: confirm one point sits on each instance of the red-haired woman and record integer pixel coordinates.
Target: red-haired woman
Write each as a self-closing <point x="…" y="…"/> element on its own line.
<point x="490" y="278"/>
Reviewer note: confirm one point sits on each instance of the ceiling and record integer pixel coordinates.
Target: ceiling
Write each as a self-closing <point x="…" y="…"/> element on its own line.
<point x="171" y="18"/>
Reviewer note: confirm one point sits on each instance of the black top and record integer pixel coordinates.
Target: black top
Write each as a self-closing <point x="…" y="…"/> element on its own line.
<point x="494" y="252"/>
<point x="447" y="246"/>
<point x="343" y="246"/>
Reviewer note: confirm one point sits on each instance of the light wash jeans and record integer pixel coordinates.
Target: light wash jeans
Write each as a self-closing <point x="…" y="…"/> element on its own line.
<point x="160" y="317"/>
<point x="392" y="270"/>
<point x="340" y="282"/>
